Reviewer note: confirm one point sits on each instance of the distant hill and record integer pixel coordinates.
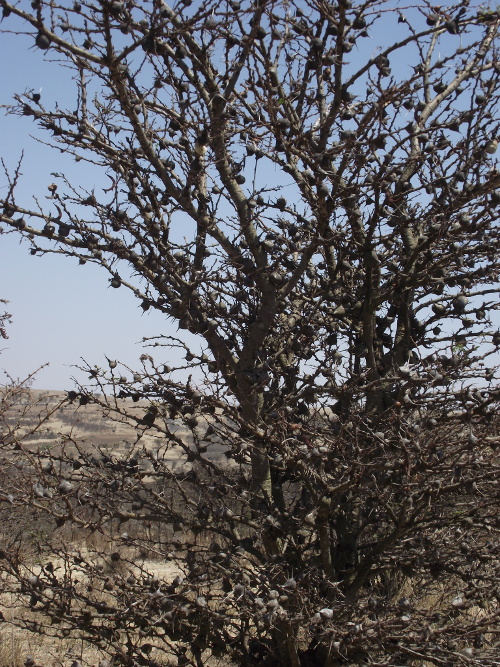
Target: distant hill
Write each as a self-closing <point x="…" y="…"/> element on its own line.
<point x="88" y="426"/>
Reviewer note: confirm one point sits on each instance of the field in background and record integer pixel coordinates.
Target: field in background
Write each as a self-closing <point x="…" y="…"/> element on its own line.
<point x="87" y="425"/>
<point x="83" y="428"/>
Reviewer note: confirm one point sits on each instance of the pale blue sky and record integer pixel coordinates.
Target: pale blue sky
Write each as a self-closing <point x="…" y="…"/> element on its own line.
<point x="62" y="311"/>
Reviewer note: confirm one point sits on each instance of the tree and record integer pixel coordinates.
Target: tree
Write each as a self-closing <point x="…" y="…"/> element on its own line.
<point x="322" y="219"/>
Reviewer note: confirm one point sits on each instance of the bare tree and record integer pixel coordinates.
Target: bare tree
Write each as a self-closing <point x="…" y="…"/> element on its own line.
<point x="4" y="319"/>
<point x="319" y="210"/>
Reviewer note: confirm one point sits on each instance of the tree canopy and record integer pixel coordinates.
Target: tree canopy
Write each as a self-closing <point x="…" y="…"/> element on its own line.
<point x="310" y="190"/>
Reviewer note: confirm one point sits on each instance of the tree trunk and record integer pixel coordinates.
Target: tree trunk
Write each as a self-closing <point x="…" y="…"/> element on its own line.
<point x="285" y="642"/>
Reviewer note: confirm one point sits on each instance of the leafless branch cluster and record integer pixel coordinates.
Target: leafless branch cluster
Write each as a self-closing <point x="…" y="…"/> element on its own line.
<point x="4" y="319"/>
<point x="321" y="214"/>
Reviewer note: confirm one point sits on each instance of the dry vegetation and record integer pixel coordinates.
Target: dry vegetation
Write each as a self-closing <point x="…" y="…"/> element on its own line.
<point x="51" y="430"/>
<point x="144" y="563"/>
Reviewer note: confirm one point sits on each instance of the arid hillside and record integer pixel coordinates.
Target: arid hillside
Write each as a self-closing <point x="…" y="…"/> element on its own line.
<point x="88" y="428"/>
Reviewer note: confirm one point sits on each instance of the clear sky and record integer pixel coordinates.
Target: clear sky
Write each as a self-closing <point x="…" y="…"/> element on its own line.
<point x="61" y="311"/>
